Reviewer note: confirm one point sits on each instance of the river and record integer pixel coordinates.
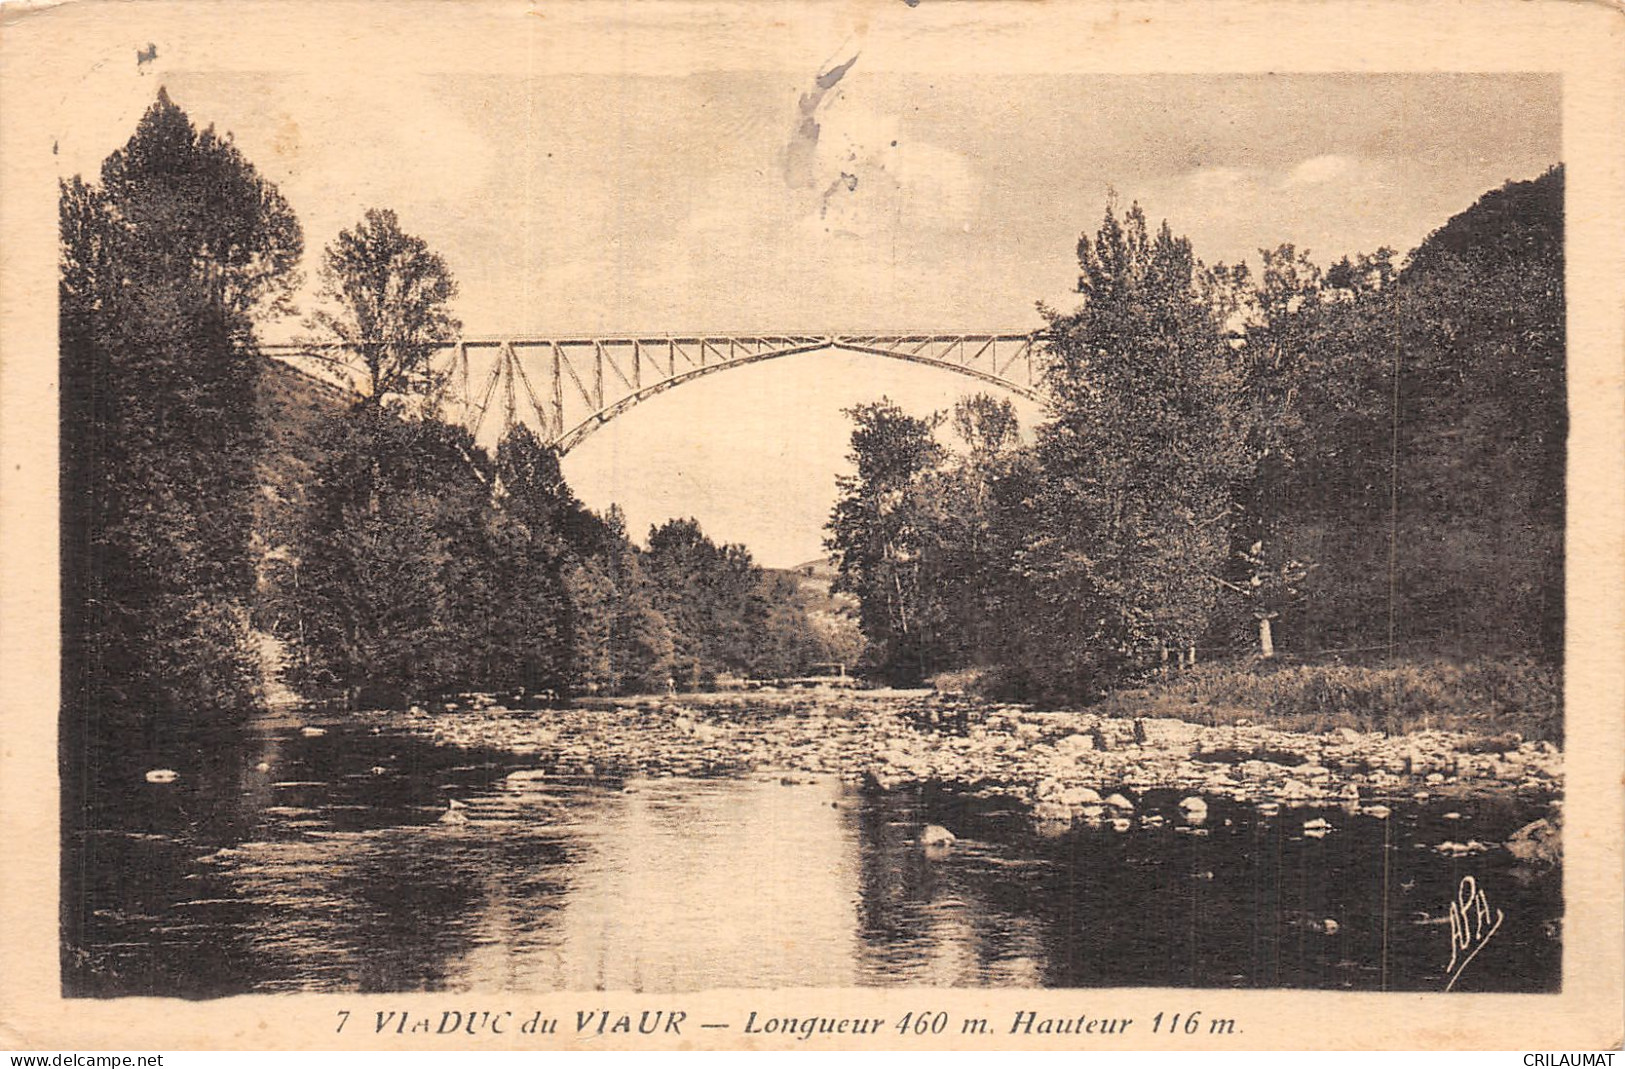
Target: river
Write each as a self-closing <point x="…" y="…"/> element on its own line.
<point x="321" y="859"/>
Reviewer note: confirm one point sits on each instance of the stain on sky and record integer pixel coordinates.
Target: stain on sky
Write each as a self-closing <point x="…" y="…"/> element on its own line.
<point x="800" y="156"/>
<point x="144" y="56"/>
<point x="847" y="181"/>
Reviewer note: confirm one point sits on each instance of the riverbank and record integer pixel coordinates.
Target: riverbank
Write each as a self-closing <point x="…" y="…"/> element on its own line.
<point x="1494" y="696"/>
<point x="1065" y="765"/>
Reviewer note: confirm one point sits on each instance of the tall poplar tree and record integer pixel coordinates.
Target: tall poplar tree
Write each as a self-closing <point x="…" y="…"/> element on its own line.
<point x="1138" y="461"/>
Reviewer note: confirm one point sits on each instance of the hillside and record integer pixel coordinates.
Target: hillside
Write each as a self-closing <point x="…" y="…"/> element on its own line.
<point x="292" y="408"/>
<point x="1518" y="223"/>
<point x="835" y="615"/>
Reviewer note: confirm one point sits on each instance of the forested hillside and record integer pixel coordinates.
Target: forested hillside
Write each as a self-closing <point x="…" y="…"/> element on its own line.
<point x="1359" y="461"/>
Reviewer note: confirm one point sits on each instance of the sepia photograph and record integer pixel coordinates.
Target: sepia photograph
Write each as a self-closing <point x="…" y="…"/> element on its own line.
<point x="635" y="503"/>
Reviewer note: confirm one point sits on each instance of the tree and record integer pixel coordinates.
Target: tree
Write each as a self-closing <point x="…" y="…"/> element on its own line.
<point x="189" y="208"/>
<point x="639" y="643"/>
<point x="532" y="618"/>
<point x="389" y="297"/>
<point x="726" y="614"/>
<point x="970" y="536"/>
<point x="396" y="558"/>
<point x="1138" y="460"/>
<point x="876" y="529"/>
<point x="1280" y="339"/>
<point x="164" y="267"/>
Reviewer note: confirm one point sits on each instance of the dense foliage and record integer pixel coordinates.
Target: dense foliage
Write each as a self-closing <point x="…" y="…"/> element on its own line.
<point x="427" y="567"/>
<point x="1365" y="459"/>
<point x="394" y="558"/>
<point x="164" y="266"/>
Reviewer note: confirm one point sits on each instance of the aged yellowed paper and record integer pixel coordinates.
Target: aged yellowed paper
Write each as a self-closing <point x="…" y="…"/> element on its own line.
<point x="516" y="790"/>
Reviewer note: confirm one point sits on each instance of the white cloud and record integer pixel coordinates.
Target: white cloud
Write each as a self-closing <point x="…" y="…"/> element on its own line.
<point x="1318" y="170"/>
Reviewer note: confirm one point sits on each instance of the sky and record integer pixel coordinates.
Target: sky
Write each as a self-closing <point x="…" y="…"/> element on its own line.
<point x="843" y="180"/>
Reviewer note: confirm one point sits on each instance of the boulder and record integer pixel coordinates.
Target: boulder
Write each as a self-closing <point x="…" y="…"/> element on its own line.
<point x="1078" y="796"/>
<point x="1540" y="843"/>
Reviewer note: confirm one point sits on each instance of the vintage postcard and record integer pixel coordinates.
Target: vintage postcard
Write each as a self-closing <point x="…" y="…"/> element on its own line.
<point x="811" y="525"/>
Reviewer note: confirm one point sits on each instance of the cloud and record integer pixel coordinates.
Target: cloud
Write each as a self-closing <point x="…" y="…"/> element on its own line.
<point x="1318" y="170"/>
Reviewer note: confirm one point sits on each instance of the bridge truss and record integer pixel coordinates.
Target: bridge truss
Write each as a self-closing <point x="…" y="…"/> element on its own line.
<point x="568" y="386"/>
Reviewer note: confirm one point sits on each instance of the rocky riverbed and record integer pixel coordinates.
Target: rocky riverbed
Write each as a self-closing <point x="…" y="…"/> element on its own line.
<point x="1065" y="766"/>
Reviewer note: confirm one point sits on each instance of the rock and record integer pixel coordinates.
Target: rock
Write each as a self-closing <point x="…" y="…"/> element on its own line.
<point x="162" y="775"/>
<point x="1539" y="843"/>
<point x="1117" y="801"/>
<point x="1381" y="812"/>
<point x="1307" y="921"/>
<point x="1167" y="732"/>
<point x="1073" y="745"/>
<point x="1078" y="796"/>
<point x="1052" y="829"/>
<point x="1319" y="824"/>
<point x="1194" y="809"/>
<point x="1121" y="824"/>
<point x="937" y="835"/>
<point x="313" y="733"/>
<point x="1052" y="812"/>
<point x="1114" y="734"/>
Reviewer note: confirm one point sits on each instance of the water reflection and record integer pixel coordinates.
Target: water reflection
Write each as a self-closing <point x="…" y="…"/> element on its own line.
<point x="321" y="864"/>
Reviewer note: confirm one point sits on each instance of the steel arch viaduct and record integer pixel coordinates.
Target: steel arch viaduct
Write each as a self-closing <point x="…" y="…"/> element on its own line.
<point x="574" y="384"/>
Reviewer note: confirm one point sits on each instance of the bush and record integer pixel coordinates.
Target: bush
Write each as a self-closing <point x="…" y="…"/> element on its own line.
<point x="1483" y="696"/>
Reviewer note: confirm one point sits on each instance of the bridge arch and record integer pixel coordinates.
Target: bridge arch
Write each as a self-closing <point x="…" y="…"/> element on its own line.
<point x="574" y="384"/>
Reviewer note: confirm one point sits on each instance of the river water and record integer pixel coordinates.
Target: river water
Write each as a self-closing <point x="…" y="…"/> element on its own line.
<point x="291" y="862"/>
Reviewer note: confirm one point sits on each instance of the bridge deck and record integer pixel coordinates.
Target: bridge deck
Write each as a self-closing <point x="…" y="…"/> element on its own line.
<point x="574" y="383"/>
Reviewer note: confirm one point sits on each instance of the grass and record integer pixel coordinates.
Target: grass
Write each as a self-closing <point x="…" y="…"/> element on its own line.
<point x="1484" y="696"/>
